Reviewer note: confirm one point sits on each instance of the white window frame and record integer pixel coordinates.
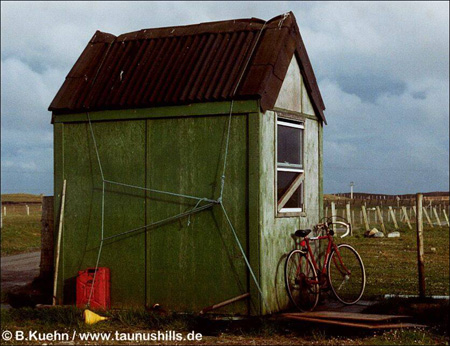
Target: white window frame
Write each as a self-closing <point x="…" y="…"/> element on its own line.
<point x="280" y="167"/>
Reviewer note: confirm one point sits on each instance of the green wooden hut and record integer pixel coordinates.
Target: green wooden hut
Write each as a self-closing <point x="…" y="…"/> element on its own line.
<point x="143" y="125"/>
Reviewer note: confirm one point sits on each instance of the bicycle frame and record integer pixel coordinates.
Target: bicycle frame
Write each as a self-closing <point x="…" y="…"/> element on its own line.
<point x="331" y="245"/>
<point x="306" y="276"/>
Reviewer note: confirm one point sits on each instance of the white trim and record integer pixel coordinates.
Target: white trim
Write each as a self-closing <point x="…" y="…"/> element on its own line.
<point x="296" y="170"/>
<point x="297" y="126"/>
<point x="291" y="210"/>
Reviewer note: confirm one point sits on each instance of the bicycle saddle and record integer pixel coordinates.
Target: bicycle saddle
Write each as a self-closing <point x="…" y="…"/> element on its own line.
<point x="302" y="232"/>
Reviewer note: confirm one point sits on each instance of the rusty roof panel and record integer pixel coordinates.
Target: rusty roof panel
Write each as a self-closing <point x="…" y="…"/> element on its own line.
<point x="180" y="65"/>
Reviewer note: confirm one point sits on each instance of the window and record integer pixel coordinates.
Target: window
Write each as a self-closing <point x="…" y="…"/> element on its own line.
<point x="290" y="170"/>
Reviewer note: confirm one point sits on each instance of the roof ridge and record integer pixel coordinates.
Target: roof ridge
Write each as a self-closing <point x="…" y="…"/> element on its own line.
<point x="222" y="26"/>
<point x="187" y="64"/>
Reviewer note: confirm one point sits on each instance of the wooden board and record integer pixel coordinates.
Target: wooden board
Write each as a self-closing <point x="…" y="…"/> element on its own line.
<point x="355" y="324"/>
<point x="335" y="315"/>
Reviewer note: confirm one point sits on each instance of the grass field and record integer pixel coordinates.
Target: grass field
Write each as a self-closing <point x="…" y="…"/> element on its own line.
<point x="391" y="263"/>
<point x="20" y="233"/>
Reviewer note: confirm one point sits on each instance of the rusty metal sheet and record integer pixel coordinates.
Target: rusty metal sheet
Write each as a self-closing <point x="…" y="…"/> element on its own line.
<point x="186" y="64"/>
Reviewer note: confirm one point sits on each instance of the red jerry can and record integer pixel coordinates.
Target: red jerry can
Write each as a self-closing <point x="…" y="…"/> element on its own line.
<point x="101" y="298"/>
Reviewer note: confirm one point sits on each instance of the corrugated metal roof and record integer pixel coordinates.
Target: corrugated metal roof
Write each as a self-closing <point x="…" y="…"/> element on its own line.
<point x="186" y="64"/>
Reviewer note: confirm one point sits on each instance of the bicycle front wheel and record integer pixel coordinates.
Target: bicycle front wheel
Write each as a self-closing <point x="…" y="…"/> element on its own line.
<point x="346" y="274"/>
<point x="301" y="281"/>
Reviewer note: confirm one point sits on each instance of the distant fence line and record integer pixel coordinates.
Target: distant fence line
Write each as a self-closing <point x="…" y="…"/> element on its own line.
<point x="373" y="202"/>
<point x="369" y="216"/>
<point x="380" y="196"/>
<point x="20" y="208"/>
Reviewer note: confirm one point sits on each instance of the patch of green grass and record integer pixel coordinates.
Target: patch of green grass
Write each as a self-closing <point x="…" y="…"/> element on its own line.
<point x="20" y="233"/>
<point x="391" y="263"/>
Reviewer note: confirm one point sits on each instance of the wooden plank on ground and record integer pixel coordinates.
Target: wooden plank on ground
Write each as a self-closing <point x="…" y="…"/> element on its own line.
<point x="336" y="315"/>
<point x="356" y="325"/>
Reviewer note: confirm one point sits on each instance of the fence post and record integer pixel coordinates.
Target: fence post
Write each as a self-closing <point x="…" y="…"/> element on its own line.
<point x="446" y="217"/>
<point x="333" y="215"/>
<point x="326" y="211"/>
<point x="349" y="217"/>
<point x="405" y="214"/>
<point x="420" y="262"/>
<point x="28" y="209"/>
<point x="393" y="217"/>
<point x="353" y="216"/>
<point x="437" y="217"/>
<point x="349" y="214"/>
<point x="381" y="219"/>
<point x="366" y="223"/>
<point x="427" y="216"/>
<point x="4" y="210"/>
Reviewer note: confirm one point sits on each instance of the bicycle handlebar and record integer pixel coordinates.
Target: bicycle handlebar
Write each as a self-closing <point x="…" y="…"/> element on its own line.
<point x="326" y="226"/>
<point x="347" y="225"/>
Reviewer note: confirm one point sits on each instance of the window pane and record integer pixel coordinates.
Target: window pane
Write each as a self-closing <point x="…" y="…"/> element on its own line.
<point x="296" y="200"/>
<point x="284" y="180"/>
<point x="289" y="145"/>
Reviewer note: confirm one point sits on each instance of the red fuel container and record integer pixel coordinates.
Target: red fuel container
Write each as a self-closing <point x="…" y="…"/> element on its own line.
<point x="101" y="294"/>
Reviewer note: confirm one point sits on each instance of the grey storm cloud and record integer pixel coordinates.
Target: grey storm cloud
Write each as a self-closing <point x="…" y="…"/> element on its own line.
<point x="382" y="67"/>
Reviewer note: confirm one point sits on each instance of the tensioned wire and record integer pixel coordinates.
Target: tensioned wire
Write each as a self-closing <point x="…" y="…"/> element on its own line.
<point x="172" y="218"/>
<point x="199" y="200"/>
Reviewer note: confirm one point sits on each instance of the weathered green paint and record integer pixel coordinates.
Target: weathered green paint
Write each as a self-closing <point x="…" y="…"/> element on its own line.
<point x="58" y="161"/>
<point x="320" y="129"/>
<point x="182" y="267"/>
<point x="191" y="266"/>
<point x="191" y="263"/>
<point x="254" y="208"/>
<point x="276" y="241"/>
<point x="209" y="108"/>
<point x="121" y="147"/>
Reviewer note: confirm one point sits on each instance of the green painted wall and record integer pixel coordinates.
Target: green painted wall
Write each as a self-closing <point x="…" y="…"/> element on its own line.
<point x="121" y="147"/>
<point x="190" y="263"/>
<point x="195" y="265"/>
<point x="276" y="241"/>
<point x="184" y="265"/>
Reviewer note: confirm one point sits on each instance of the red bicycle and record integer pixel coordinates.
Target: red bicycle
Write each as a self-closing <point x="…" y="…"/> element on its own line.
<point x="342" y="272"/>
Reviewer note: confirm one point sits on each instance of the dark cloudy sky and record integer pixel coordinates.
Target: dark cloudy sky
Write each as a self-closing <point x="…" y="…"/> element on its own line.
<point x="382" y="67"/>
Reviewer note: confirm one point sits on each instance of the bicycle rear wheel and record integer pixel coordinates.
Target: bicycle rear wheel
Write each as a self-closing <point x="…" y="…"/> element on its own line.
<point x="301" y="281"/>
<point x="346" y="274"/>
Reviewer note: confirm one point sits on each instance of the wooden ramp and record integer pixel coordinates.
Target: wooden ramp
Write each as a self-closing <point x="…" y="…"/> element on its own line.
<point x="353" y="320"/>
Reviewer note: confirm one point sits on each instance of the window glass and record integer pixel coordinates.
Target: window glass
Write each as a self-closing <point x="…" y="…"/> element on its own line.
<point x="296" y="200"/>
<point x="285" y="179"/>
<point x="289" y="163"/>
<point x="289" y="145"/>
